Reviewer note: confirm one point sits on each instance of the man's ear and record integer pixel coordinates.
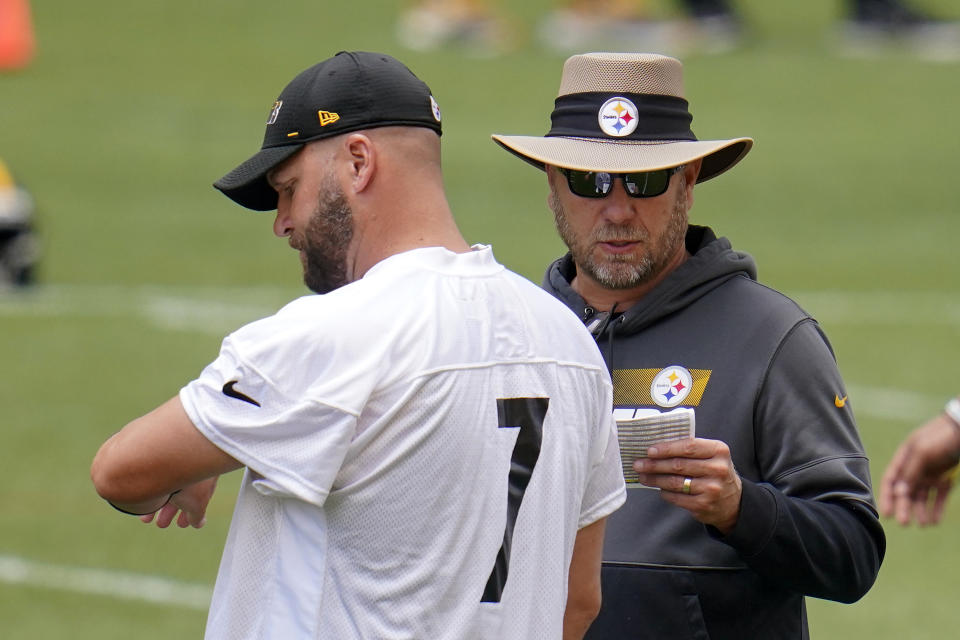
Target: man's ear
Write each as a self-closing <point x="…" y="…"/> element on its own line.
<point x="362" y="156"/>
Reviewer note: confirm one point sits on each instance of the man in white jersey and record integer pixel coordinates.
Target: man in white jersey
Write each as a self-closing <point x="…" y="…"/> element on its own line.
<point x="429" y="447"/>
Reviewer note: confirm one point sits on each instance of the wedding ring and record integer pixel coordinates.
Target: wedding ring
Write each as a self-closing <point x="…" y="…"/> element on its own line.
<point x="686" y="485"/>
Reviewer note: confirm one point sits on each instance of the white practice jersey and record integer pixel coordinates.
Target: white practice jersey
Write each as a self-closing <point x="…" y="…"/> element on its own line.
<point x="421" y="445"/>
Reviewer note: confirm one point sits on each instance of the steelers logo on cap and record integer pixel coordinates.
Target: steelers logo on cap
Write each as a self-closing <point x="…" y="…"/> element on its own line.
<point x="274" y="112"/>
<point x="435" y="108"/>
<point x="618" y="117"/>
<point x="671" y="386"/>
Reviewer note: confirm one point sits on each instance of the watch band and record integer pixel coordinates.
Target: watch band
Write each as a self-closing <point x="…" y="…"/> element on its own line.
<point x="131" y="513"/>
<point x="953" y="411"/>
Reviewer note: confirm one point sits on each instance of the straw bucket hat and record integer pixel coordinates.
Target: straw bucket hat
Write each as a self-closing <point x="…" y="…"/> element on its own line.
<point x="623" y="112"/>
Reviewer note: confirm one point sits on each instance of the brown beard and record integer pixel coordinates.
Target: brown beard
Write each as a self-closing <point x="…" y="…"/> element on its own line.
<point x="326" y="240"/>
<point x="621" y="272"/>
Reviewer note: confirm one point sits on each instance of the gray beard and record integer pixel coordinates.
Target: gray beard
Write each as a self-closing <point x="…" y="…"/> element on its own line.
<point x="628" y="271"/>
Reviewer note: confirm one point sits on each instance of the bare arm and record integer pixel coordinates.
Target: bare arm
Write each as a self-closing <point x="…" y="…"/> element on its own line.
<point x="140" y="467"/>
<point x="583" y="583"/>
<point x="916" y="483"/>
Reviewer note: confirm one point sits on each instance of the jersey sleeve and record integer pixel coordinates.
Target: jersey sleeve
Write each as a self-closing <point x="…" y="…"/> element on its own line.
<point x="606" y="489"/>
<point x="250" y="403"/>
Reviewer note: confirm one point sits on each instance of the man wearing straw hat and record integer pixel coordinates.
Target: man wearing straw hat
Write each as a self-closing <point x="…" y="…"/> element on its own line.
<point x="772" y="500"/>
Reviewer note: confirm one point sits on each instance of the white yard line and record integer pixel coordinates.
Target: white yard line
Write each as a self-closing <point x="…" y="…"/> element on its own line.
<point x="102" y="582"/>
<point x="219" y="310"/>
<point x="211" y="309"/>
<point x="204" y="310"/>
<point x="882" y="308"/>
<point x="894" y="404"/>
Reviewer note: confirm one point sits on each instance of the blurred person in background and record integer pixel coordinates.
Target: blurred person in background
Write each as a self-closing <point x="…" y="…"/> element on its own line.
<point x="868" y="27"/>
<point x="923" y="469"/>
<point x="19" y="247"/>
<point x="473" y="25"/>
<point x="725" y="534"/>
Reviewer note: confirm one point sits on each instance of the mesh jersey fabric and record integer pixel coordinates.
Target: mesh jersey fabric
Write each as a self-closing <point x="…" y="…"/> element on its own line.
<point x="374" y="502"/>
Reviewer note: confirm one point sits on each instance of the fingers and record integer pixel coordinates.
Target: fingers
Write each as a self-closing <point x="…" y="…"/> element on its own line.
<point x="697" y="475"/>
<point x="891" y="478"/>
<point x="192" y="503"/>
<point x="913" y="468"/>
<point x="929" y="504"/>
<point x="939" y="502"/>
<point x="188" y="506"/>
<point x="683" y="485"/>
<point x="913" y="482"/>
<point x="191" y="519"/>
<point x="166" y="514"/>
<point x="691" y="457"/>
<point x="923" y="504"/>
<point x="694" y="448"/>
<point x="919" y="503"/>
<point x="170" y="512"/>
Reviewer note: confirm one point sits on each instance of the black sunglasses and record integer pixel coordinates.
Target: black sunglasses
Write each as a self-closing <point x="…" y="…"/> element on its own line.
<point x="599" y="184"/>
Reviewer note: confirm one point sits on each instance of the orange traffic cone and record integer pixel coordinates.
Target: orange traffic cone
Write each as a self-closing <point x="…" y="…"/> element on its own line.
<point x="16" y="34"/>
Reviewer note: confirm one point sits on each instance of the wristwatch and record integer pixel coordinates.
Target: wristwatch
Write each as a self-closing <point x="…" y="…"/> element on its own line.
<point x="953" y="411"/>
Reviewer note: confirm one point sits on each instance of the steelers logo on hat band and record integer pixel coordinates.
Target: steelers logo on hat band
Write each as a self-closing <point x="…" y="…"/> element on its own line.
<point x="435" y="108"/>
<point x="618" y="117"/>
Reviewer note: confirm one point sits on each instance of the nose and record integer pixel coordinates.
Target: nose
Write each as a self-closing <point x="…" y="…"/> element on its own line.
<point x="618" y="207"/>
<point x="282" y="226"/>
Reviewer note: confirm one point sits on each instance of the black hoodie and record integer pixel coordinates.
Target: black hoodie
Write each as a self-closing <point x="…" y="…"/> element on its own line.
<point x="762" y="377"/>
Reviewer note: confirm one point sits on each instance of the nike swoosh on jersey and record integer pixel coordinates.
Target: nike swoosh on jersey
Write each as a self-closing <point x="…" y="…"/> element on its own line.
<point x="228" y="390"/>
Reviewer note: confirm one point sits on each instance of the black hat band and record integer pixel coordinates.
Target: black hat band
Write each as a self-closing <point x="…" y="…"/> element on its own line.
<point x="622" y="116"/>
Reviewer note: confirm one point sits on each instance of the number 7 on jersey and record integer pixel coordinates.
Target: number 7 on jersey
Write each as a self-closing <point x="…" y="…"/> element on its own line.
<point x="527" y="414"/>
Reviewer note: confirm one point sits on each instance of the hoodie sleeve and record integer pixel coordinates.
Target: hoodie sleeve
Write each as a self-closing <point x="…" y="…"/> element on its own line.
<point x="811" y="523"/>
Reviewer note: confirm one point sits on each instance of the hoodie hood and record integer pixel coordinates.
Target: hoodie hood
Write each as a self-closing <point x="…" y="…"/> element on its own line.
<point x="713" y="261"/>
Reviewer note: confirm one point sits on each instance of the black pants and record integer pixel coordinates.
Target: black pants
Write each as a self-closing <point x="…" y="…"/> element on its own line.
<point x="858" y="9"/>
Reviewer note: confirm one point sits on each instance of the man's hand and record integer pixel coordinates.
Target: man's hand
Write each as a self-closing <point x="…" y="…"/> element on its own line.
<point x="162" y="451"/>
<point x="915" y="484"/>
<point x="713" y="487"/>
<point x="191" y="502"/>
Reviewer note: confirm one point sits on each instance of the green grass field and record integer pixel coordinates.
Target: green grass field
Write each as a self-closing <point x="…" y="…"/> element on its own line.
<point x="131" y="110"/>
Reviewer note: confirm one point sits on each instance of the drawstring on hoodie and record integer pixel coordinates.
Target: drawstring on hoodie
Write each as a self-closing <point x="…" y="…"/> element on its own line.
<point x="599" y="325"/>
<point x="609" y="354"/>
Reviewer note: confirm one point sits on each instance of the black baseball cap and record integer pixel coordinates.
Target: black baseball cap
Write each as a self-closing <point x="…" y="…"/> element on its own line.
<point x="351" y="91"/>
